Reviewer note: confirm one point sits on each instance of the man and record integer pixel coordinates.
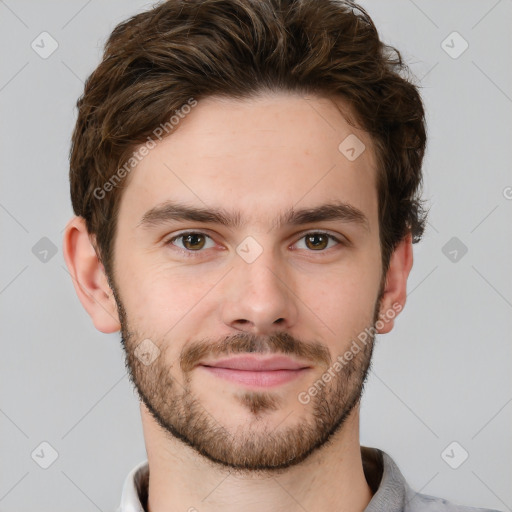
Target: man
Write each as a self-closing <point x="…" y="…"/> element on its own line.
<point x="245" y="177"/>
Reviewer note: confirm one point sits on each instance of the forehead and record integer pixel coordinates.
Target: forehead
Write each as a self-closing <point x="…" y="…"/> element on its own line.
<point x="258" y="156"/>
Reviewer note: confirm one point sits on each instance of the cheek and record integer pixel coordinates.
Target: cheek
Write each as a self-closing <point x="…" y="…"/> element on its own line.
<point x="163" y="301"/>
<point x="342" y="297"/>
<point x="339" y="299"/>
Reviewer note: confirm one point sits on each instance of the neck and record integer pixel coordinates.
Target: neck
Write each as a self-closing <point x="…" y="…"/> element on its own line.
<point x="330" y="479"/>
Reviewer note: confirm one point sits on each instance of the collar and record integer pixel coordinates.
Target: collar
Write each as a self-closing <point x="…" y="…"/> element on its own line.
<point x="390" y="490"/>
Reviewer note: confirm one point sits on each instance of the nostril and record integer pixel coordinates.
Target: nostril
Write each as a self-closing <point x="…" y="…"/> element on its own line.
<point x="279" y="321"/>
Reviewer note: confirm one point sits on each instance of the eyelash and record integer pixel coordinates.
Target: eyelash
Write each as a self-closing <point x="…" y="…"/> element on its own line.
<point x="190" y="253"/>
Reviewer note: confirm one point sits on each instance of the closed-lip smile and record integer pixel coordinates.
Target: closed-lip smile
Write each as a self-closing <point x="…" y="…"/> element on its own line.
<point x="256" y="370"/>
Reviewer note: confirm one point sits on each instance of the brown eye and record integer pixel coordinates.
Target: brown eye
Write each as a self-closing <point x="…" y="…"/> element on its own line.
<point x="192" y="242"/>
<point x="316" y="241"/>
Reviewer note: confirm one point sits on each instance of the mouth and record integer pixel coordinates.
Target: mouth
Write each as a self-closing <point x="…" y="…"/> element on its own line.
<point x="257" y="371"/>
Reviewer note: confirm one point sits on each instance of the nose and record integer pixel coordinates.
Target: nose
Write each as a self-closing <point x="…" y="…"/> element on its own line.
<point x="258" y="297"/>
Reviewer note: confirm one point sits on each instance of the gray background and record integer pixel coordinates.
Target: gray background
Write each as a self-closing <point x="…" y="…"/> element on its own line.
<point x="442" y="375"/>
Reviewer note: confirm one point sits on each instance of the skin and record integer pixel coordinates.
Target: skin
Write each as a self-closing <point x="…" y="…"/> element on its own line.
<point x="213" y="444"/>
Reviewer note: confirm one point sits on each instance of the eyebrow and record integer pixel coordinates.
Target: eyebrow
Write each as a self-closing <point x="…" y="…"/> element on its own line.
<point x="170" y="210"/>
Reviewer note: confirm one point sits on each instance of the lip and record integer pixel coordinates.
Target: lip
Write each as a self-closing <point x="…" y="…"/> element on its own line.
<point x="257" y="372"/>
<point x="257" y="364"/>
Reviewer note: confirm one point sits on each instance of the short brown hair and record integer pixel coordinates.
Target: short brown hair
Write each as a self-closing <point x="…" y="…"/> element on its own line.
<point x="157" y="60"/>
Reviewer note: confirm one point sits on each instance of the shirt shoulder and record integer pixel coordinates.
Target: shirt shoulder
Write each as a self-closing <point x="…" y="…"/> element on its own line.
<point x="392" y="493"/>
<point x="416" y="502"/>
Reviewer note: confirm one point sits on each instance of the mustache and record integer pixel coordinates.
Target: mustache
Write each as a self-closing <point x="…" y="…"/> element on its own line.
<point x="276" y="343"/>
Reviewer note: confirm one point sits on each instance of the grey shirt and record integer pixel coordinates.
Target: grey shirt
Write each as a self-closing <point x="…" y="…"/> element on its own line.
<point x="391" y="493"/>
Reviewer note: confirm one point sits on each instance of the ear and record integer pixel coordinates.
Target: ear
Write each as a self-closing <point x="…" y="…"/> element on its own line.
<point x="89" y="278"/>
<point x="395" y="288"/>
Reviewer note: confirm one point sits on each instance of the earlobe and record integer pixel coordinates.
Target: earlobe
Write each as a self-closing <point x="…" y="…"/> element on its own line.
<point x="88" y="275"/>
<point x="395" y="289"/>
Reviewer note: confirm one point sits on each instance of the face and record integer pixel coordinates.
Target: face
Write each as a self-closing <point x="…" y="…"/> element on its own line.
<point x="248" y="238"/>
